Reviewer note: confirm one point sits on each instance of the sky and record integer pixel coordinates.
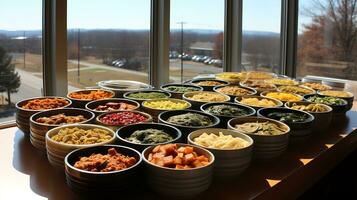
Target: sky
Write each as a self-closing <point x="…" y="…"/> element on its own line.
<point x="258" y="15"/>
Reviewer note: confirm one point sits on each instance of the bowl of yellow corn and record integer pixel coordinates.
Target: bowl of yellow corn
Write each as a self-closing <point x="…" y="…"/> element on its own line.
<point x="282" y="96"/>
<point x="155" y="106"/>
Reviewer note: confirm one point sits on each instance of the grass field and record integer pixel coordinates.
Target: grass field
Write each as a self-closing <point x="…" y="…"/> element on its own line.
<point x="92" y="70"/>
<point x="34" y="63"/>
<point x="90" y="77"/>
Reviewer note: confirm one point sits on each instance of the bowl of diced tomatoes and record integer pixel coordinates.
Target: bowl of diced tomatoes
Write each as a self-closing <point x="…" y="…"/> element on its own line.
<point x="178" y="170"/>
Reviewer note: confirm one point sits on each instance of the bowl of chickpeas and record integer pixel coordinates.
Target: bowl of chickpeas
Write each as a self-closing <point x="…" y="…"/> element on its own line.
<point x="64" y="139"/>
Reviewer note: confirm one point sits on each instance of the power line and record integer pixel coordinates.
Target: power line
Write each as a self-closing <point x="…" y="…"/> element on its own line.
<point x="181" y="23"/>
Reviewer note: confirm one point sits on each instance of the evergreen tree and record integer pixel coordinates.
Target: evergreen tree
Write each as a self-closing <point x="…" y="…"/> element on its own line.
<point x="9" y="78"/>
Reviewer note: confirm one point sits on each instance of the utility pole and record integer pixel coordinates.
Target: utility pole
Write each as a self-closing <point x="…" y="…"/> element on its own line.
<point x="24" y="43"/>
<point x="182" y="23"/>
<point x="78" y="53"/>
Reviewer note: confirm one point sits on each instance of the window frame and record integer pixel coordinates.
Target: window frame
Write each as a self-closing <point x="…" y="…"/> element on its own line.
<point x="54" y="42"/>
<point x="56" y="29"/>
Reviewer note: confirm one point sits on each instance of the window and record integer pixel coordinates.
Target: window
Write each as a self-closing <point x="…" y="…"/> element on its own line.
<point x="20" y="53"/>
<point x="261" y="35"/>
<point x="196" y="38"/>
<point x="107" y="41"/>
<point x="326" y="44"/>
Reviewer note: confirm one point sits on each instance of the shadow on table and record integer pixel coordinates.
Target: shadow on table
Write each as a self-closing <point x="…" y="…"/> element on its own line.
<point x="50" y="182"/>
<point x="44" y="180"/>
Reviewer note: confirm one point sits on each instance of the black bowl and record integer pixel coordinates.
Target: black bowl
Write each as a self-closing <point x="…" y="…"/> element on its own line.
<point x="337" y="110"/>
<point x="348" y="99"/>
<point x="126" y="131"/>
<point x="297" y="129"/>
<point x="252" y="91"/>
<point x="186" y="130"/>
<point x="126" y="95"/>
<point x="95" y="182"/>
<point x="94" y="104"/>
<point x="208" y="88"/>
<point x="39" y="130"/>
<point x="80" y="103"/>
<point x="178" y="95"/>
<point x="223" y="118"/>
<point x="322" y="119"/>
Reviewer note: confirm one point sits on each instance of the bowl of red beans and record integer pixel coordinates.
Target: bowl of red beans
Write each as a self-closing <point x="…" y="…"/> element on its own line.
<point x="117" y="119"/>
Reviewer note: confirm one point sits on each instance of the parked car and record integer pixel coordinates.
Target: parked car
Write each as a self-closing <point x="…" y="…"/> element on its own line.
<point x="186" y="57"/>
<point x="119" y="62"/>
<point x="207" y="60"/>
<point x="216" y="62"/>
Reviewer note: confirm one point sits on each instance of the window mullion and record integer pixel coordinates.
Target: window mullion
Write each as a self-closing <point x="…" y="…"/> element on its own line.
<point x="159" y="42"/>
<point x="54" y="47"/>
<point x="232" y="52"/>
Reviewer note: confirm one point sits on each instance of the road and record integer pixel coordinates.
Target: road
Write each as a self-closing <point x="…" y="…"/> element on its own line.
<point x="31" y="86"/>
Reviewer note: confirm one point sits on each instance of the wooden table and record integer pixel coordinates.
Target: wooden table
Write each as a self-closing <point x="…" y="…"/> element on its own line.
<point x="26" y="174"/>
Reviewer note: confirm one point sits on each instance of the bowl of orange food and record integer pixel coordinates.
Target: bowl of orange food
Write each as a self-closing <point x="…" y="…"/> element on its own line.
<point x="81" y="97"/>
<point x="282" y="96"/>
<point x="178" y="170"/>
<point x="108" y="168"/>
<point x="26" y="108"/>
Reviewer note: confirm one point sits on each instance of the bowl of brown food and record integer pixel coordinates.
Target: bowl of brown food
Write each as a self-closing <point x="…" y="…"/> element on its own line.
<point x="42" y="122"/>
<point x="316" y="86"/>
<point x="258" y="85"/>
<point x="81" y="97"/>
<point x="102" y="169"/>
<point x="208" y="84"/>
<point x="26" y="108"/>
<point x="197" y="99"/>
<point x="234" y="91"/>
<point x="178" y="170"/>
<point x="271" y="137"/>
<point x="99" y="107"/>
